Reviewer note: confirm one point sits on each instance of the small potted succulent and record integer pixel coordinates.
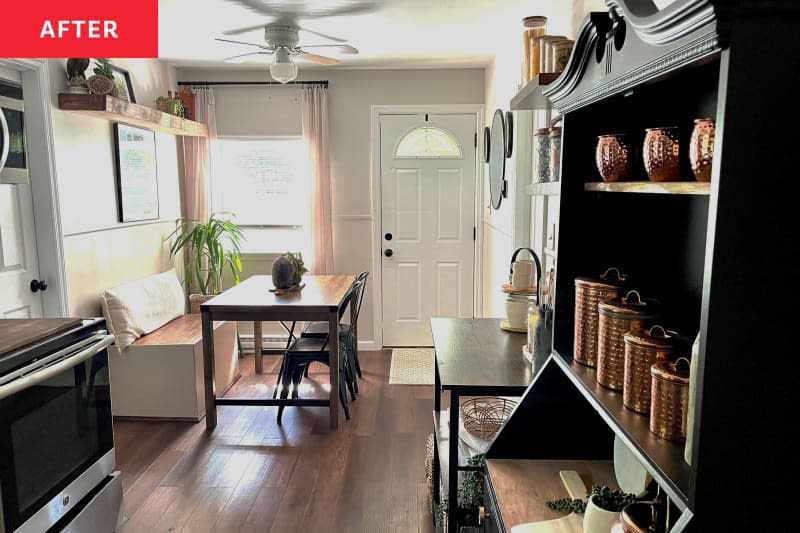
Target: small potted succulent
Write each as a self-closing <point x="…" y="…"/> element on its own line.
<point x="604" y="507"/>
<point x="103" y="80"/>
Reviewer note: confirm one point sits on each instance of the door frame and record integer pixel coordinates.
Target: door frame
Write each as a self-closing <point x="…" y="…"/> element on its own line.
<point x="41" y="161"/>
<point x="375" y="179"/>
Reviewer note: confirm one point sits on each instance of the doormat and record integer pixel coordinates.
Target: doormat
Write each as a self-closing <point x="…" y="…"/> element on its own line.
<point x="412" y="366"/>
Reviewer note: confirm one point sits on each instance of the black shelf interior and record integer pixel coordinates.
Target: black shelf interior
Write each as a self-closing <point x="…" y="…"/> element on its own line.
<point x="662" y="458"/>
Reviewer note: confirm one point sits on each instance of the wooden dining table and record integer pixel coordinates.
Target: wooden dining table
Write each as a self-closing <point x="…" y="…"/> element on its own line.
<point x="321" y="299"/>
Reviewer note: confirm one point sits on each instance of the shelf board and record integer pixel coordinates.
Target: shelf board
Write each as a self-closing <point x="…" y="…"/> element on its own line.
<point x="522" y="486"/>
<point x="651" y="187"/>
<point x="530" y="96"/>
<point x="662" y="458"/>
<point x="116" y="110"/>
<point x="543" y="189"/>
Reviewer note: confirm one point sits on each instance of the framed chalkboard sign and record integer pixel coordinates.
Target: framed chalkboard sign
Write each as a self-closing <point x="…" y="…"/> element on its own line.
<point x="137" y="181"/>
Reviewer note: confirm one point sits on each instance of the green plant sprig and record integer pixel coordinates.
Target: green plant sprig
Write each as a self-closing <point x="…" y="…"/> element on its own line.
<point x="613" y="500"/>
<point x="103" y="68"/>
<point x="297" y="266"/>
<point x="208" y="256"/>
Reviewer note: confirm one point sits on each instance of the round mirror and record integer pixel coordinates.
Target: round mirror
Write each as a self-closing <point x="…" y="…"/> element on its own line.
<point x="497" y="160"/>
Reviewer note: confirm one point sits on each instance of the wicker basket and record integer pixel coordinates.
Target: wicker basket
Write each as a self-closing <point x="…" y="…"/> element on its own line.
<point x="483" y="417"/>
<point x="588" y="293"/>
<point x="196" y="300"/>
<point x="429" y="471"/>
<point x="616" y="317"/>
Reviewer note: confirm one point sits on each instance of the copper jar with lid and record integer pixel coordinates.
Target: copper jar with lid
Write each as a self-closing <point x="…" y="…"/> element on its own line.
<point x="616" y="317"/>
<point x="669" y="399"/>
<point x="643" y="348"/>
<point x="590" y="291"/>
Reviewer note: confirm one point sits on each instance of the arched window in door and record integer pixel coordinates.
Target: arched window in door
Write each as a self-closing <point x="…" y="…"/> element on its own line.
<point x="428" y="142"/>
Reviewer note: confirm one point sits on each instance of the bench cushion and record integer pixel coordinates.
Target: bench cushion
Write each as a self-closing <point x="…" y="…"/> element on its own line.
<point x="140" y="307"/>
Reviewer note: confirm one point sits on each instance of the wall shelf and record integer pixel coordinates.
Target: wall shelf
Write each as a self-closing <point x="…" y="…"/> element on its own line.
<point x="544" y="189"/>
<point x="662" y="458"/>
<point x="531" y="96"/>
<point x="651" y="187"/>
<point x="116" y="110"/>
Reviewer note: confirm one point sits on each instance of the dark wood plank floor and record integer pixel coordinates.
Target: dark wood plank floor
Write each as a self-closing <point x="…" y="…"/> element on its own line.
<point x="251" y="475"/>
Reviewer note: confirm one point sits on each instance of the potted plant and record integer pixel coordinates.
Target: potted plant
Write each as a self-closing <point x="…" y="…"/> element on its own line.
<point x="603" y="508"/>
<point x="288" y="270"/>
<point x="210" y="247"/>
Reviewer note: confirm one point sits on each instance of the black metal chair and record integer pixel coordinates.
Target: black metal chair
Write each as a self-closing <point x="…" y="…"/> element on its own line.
<point x="304" y="351"/>
<point x="319" y="330"/>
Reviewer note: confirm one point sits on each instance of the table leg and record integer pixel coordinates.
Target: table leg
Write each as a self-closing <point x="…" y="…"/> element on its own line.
<point x="452" y="473"/>
<point x="208" y="370"/>
<point x="333" y="332"/>
<point x="257" y="347"/>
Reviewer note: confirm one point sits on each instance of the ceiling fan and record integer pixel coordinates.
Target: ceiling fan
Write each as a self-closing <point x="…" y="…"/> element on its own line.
<point x="283" y="42"/>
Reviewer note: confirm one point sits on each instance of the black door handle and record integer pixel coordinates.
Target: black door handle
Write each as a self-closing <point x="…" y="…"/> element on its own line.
<point x="38" y="285"/>
<point x="388" y="236"/>
<point x="388" y="252"/>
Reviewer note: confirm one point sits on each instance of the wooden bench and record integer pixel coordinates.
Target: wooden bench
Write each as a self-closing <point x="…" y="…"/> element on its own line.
<point x="161" y="374"/>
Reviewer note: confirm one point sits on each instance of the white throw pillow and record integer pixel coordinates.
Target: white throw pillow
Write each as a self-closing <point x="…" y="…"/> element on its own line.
<point x="140" y="307"/>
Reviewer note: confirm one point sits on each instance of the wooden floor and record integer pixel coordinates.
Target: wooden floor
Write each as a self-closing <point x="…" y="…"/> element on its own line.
<point x="251" y="475"/>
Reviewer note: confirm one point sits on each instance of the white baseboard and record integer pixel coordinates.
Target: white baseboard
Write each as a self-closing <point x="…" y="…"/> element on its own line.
<point x="247" y="343"/>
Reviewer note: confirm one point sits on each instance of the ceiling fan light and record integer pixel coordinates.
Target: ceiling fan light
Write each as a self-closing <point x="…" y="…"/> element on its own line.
<point x="283" y="69"/>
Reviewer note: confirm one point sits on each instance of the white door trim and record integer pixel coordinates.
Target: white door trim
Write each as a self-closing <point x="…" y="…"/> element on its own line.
<point x="375" y="179"/>
<point x="41" y="161"/>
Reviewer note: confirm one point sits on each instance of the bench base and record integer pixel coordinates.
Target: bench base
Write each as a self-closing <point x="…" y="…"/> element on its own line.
<point x="161" y="374"/>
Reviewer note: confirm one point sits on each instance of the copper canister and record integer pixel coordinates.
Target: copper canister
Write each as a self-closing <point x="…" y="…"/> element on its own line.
<point x="669" y="399"/>
<point x="589" y="292"/>
<point x="643" y="347"/>
<point x="615" y="318"/>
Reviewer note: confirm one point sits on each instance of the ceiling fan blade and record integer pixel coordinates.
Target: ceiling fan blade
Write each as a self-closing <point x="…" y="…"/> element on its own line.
<point x="246" y="29"/>
<point x="329" y="37"/>
<point x="236" y="59"/>
<point x="342" y="48"/>
<point x="242" y="42"/>
<point x="314" y="58"/>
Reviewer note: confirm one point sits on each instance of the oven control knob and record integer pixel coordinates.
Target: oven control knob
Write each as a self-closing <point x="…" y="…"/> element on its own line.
<point x="65" y="501"/>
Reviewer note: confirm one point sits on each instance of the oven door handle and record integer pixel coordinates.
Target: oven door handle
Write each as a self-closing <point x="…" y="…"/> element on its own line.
<point x="48" y="372"/>
<point x="5" y="140"/>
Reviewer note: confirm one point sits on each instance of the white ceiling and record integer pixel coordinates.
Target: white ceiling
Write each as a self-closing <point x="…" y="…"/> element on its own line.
<point x="388" y="33"/>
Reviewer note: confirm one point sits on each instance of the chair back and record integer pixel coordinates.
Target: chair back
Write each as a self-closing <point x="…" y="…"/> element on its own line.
<point x="362" y="287"/>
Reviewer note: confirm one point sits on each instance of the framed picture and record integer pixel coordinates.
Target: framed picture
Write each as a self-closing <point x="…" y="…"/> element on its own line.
<point x="122" y="79"/>
<point x="137" y="183"/>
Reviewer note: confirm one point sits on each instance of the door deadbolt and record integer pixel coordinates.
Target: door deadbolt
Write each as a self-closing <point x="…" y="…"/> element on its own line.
<point x="388" y="252"/>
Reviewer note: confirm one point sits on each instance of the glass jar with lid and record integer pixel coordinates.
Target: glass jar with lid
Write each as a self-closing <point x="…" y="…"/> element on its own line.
<point x="535" y="26"/>
<point x="541" y="155"/>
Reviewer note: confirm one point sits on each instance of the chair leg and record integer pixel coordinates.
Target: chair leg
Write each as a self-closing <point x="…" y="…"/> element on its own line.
<point x="279" y="379"/>
<point x="284" y="381"/>
<point x="343" y="400"/>
<point x="355" y="361"/>
<point x="350" y="379"/>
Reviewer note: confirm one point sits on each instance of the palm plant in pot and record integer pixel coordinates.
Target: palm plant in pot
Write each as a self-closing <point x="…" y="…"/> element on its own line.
<point x="209" y="248"/>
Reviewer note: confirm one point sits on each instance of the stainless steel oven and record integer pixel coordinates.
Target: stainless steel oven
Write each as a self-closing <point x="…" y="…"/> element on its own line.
<point x="57" y="463"/>
<point x="13" y="160"/>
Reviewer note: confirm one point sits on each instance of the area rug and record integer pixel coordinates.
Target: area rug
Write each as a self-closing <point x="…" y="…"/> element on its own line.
<point x="412" y="366"/>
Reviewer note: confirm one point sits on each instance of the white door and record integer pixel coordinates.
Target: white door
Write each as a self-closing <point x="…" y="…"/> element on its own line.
<point x="427" y="222"/>
<point x="18" y="263"/>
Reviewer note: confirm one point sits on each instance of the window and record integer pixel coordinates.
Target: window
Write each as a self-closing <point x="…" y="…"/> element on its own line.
<point x="428" y="141"/>
<point x="265" y="183"/>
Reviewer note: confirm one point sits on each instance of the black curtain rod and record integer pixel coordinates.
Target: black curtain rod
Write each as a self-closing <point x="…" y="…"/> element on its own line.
<point x="323" y="83"/>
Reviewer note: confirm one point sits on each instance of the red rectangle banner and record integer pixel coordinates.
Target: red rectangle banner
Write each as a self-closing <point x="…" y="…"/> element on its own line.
<point x="82" y="28"/>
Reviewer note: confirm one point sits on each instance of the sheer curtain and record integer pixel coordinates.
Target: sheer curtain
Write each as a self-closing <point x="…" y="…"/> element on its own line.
<point x="316" y="136"/>
<point x="197" y="158"/>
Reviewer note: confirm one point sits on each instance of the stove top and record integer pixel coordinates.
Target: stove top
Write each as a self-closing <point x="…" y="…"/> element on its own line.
<point x="16" y="333"/>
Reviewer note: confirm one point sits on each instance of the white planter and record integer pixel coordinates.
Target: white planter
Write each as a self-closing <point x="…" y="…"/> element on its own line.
<point x="597" y="520"/>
